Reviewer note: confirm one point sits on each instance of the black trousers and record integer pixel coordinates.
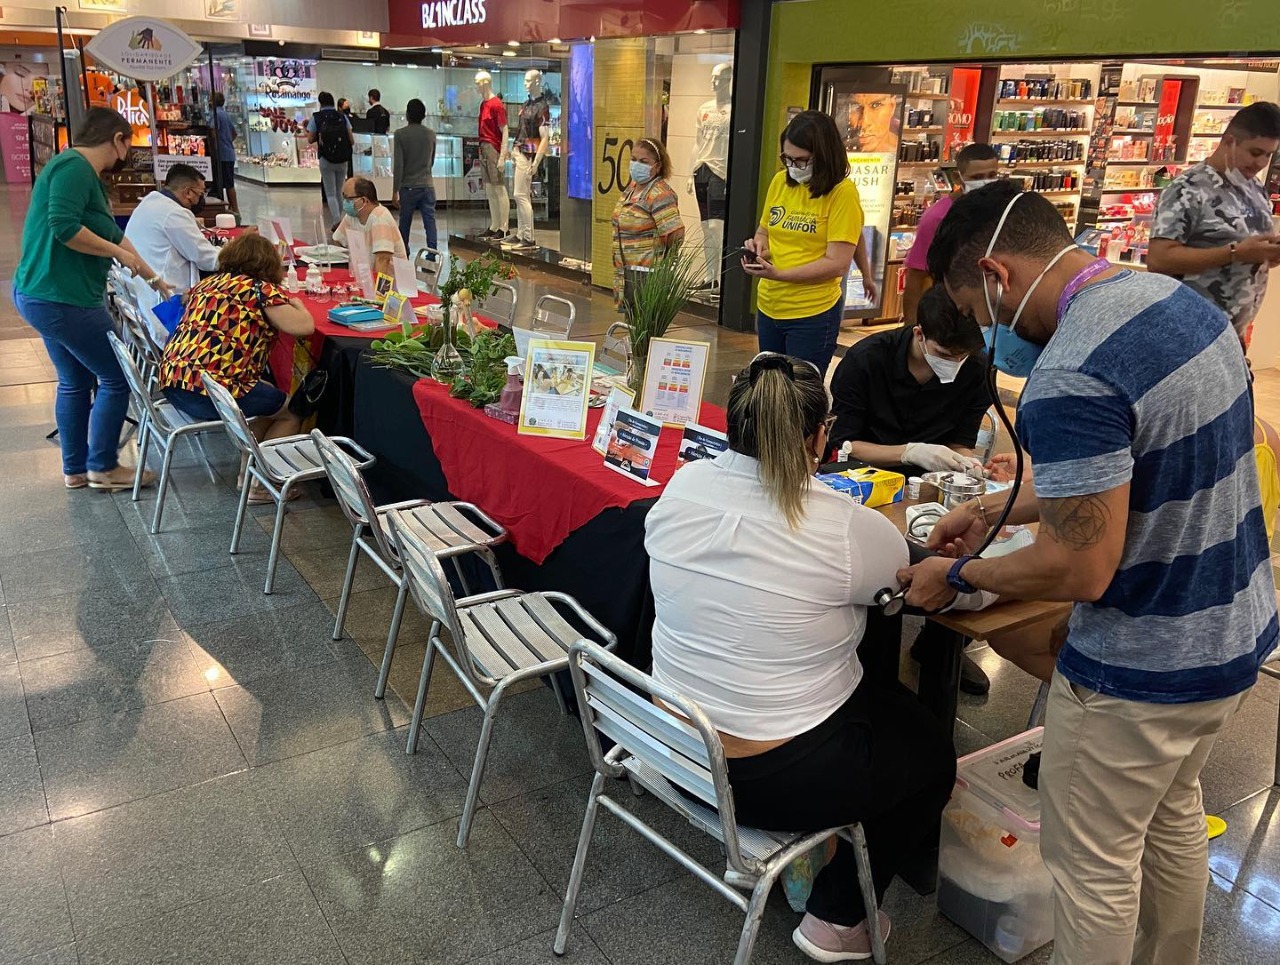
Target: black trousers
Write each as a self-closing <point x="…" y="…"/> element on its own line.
<point x="882" y="760"/>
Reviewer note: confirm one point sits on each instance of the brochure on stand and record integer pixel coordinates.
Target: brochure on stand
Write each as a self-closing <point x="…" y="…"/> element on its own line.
<point x="699" y="442"/>
<point x="618" y="399"/>
<point x="557" y="389"/>
<point x="632" y="442"/>
<point x="673" y="380"/>
<point x="397" y="310"/>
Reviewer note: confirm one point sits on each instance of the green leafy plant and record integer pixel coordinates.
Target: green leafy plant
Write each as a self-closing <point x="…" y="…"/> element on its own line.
<point x="413" y="353"/>
<point x="654" y="299"/>
<point x="475" y="276"/>
<point x="486" y="373"/>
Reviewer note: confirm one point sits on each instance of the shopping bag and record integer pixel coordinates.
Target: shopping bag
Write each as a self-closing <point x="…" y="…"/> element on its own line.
<point x="169" y="312"/>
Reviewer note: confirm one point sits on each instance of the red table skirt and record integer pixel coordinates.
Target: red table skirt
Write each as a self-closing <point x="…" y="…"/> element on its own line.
<point x="288" y="364"/>
<point x="540" y="489"/>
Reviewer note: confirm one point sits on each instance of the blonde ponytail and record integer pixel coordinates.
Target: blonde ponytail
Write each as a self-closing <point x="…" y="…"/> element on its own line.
<point x="774" y="405"/>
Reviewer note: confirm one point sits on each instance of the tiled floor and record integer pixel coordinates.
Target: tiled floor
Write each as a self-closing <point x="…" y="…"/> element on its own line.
<point x="193" y="772"/>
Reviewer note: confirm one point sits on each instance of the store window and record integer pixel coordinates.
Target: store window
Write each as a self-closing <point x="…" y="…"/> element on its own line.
<point x="269" y="101"/>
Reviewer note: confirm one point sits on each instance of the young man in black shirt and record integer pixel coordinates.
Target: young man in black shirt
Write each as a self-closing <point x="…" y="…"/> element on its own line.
<point x="379" y="117"/>
<point x="912" y="399"/>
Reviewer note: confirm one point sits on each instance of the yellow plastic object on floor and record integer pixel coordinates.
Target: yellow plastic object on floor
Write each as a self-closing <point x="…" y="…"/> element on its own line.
<point x="1215" y="824"/>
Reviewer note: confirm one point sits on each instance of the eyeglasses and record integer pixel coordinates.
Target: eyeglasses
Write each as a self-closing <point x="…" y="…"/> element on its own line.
<point x="796" y="162"/>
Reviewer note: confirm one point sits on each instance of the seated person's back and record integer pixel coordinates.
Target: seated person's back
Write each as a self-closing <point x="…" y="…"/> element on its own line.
<point x="914" y="397"/>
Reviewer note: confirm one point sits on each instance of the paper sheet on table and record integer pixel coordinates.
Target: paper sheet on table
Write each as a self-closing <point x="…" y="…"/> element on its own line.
<point x="357" y="251"/>
<point x="522" y="337"/>
<point x="406" y="278"/>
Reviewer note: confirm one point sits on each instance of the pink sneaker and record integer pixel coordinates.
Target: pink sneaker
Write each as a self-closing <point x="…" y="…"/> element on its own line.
<point x="825" y="942"/>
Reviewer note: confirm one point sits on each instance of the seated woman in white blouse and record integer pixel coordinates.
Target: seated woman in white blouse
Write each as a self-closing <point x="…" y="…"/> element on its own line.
<point x="761" y="578"/>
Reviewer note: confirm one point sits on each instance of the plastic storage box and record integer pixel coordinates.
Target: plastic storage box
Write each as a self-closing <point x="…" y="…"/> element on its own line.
<point x="991" y="879"/>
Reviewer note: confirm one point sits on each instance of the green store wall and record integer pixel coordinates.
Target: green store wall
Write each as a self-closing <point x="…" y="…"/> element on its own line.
<point x="809" y="32"/>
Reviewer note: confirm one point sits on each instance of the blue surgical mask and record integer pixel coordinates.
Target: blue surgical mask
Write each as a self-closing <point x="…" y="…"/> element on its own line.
<point x="641" y="173"/>
<point x="349" y="208"/>
<point x="1011" y="353"/>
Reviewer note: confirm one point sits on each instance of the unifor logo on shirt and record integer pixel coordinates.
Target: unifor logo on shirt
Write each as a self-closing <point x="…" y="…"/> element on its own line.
<point x="805" y="223"/>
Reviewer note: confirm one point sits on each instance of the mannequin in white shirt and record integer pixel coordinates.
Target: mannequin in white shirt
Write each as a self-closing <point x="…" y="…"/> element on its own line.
<point x="165" y="232"/>
<point x="761" y="580"/>
<point x="710" y="168"/>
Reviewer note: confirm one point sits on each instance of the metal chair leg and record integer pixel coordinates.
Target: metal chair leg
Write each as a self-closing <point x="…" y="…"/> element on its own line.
<point x="397" y="617"/>
<point x="162" y="486"/>
<point x="241" y="510"/>
<point x="579" y="866"/>
<point x="477" y="769"/>
<point x="144" y="442"/>
<point x="424" y="680"/>
<point x="282" y="504"/>
<point x="755" y="912"/>
<point x="869" y="899"/>
<point x="352" y="558"/>
<point x="493" y="568"/>
<point x="462" y="577"/>
<point x="1277" y="774"/>
<point x="555" y="688"/>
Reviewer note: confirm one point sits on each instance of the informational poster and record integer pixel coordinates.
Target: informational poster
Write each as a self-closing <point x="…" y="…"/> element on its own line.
<point x="699" y="442"/>
<point x="15" y="144"/>
<point x="632" y="442"/>
<point x="673" y="380"/>
<point x="201" y="163"/>
<point x="619" y="398"/>
<point x="557" y="388"/>
<point x="870" y="121"/>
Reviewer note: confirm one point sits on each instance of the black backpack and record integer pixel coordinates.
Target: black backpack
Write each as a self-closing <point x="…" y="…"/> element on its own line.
<point x="332" y="141"/>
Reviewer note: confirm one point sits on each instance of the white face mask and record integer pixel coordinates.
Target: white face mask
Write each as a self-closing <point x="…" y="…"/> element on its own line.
<point x="976" y="184"/>
<point x="945" y="369"/>
<point x="800" y="175"/>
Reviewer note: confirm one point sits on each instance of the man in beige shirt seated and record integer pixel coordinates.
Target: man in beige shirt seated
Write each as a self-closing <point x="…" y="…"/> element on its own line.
<point x="362" y="212"/>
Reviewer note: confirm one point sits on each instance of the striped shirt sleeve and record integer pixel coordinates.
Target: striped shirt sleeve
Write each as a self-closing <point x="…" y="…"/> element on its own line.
<point x="1079" y="432"/>
<point x="665" y="211"/>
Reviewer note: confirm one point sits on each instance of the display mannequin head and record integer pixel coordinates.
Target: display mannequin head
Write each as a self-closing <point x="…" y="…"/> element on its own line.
<point x="533" y="82"/>
<point x="484" y="84"/>
<point x="722" y="81"/>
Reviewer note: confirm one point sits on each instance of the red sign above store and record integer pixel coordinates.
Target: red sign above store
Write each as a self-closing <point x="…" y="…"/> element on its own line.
<point x="422" y="23"/>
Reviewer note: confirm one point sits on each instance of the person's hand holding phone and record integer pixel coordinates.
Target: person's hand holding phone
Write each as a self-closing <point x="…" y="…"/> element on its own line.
<point x="755" y="260"/>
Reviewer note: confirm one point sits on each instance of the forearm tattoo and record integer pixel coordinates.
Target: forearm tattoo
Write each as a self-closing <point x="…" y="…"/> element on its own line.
<point x="1078" y="522"/>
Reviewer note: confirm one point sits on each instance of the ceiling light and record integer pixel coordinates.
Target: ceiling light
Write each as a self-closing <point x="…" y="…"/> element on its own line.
<point x="513" y="43"/>
<point x="437" y="50"/>
<point x="556" y="40"/>
<point x="699" y="31"/>
<point x="508" y="53"/>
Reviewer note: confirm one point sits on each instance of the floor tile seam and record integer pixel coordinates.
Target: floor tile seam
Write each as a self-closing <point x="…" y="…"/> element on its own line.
<point x="131" y="708"/>
<point x="55" y="822"/>
<point x="306" y="880"/>
<point x="181" y="906"/>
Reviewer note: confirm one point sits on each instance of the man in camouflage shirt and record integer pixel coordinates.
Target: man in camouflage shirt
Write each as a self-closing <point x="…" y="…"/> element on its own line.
<point x="1213" y="225"/>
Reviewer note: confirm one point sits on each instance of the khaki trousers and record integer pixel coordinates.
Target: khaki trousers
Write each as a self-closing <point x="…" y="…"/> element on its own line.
<point x="1122" y="825"/>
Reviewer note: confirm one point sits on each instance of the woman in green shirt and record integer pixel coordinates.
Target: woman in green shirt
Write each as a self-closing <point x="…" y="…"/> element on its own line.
<point x="68" y="242"/>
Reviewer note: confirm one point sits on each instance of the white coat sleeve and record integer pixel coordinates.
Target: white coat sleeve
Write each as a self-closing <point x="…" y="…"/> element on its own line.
<point x="189" y="241"/>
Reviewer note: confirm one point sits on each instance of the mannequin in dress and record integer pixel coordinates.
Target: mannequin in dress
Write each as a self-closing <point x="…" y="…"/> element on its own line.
<point x="533" y="137"/>
<point x="710" y="167"/>
<point x="493" y="156"/>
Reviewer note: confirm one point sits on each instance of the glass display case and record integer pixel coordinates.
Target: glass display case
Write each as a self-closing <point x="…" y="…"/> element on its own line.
<point x="270" y="101"/>
<point x="372" y="157"/>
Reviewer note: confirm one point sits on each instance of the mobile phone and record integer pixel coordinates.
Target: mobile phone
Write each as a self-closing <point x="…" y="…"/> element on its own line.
<point x="750" y="256"/>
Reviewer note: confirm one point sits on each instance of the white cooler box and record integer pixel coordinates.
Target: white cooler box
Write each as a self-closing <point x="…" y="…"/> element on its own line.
<point x="991" y="879"/>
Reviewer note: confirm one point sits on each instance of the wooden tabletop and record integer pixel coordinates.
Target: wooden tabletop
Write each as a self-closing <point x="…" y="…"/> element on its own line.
<point x="980" y="624"/>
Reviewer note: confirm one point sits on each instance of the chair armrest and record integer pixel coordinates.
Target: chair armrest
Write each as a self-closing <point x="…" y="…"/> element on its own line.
<point x="493" y="596"/>
<point x="499" y="531"/>
<point x="354" y="448"/>
<point x="596" y="626"/>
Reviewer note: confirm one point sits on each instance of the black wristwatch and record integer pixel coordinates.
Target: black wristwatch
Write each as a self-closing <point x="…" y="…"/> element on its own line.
<point x="958" y="582"/>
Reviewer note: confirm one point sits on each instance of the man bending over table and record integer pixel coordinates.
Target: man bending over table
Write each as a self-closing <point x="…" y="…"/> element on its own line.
<point x="362" y="212"/>
<point x="1139" y="421"/>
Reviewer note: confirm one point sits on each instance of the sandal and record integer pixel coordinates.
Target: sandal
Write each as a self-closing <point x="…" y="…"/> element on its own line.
<point x="78" y="480"/>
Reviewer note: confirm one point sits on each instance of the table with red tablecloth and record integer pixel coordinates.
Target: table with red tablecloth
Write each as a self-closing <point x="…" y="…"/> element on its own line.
<point x="576" y="526"/>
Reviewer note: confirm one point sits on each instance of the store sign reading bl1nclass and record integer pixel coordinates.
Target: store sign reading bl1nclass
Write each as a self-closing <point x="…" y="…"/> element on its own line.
<point x="453" y="13"/>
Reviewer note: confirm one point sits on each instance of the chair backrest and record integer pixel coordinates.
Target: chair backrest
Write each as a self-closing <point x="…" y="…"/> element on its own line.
<point x="615" y="700"/>
<point x="427" y="265"/>
<point x="428" y="584"/>
<point x="233" y="418"/>
<point x="352" y="491"/>
<point x="501" y="305"/>
<point x="617" y="342"/>
<point x="137" y="337"/>
<point x="554" y="314"/>
<point x="138" y="383"/>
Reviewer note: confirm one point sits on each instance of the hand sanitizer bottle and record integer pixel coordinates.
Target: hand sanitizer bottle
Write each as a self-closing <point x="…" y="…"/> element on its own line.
<point x="513" y="391"/>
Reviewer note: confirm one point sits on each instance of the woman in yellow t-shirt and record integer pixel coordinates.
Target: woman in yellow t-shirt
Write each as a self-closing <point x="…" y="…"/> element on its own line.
<point x="808" y="235"/>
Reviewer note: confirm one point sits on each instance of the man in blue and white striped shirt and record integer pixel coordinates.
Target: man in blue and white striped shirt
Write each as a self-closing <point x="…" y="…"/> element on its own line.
<point x="1139" y="423"/>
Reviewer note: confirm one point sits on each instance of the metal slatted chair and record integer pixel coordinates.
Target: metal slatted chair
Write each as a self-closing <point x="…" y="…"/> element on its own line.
<point x="553" y="315"/>
<point x="659" y="751"/>
<point x="280" y="465"/>
<point x="497" y="640"/>
<point x="451" y="529"/>
<point x="159" y="422"/>
<point x="501" y="305"/>
<point x="428" y="263"/>
<point x="617" y="343"/>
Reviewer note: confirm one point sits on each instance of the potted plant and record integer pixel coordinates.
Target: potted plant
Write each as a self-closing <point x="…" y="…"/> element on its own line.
<point x="652" y="301"/>
<point x="471" y="283"/>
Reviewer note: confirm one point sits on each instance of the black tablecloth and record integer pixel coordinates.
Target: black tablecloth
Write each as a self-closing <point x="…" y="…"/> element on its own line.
<point x="602" y="565"/>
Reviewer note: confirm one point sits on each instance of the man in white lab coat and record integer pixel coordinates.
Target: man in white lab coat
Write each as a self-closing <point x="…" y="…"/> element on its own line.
<point x="165" y="227"/>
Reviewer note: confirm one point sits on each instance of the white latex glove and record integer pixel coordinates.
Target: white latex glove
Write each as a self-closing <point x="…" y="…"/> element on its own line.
<point x="935" y="458"/>
<point x="974" y="467"/>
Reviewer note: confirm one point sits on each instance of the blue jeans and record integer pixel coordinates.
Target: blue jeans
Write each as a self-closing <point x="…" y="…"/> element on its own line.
<point x="413" y="200"/>
<point x="89" y="423"/>
<point x="812" y="339"/>
<point x="332" y="177"/>
<point x="264" y="399"/>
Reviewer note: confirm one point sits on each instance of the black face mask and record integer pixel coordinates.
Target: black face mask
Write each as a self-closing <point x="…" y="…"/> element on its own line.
<point x="198" y="207"/>
<point x="118" y="166"/>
